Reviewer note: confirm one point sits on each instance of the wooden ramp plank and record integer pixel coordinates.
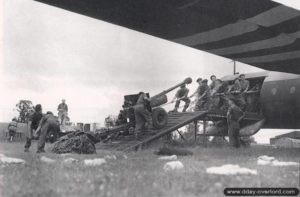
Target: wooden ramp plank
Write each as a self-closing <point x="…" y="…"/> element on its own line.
<point x="165" y="131"/>
<point x="175" y="121"/>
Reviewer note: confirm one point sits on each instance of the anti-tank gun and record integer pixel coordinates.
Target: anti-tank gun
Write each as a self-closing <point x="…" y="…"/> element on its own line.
<point x="159" y="114"/>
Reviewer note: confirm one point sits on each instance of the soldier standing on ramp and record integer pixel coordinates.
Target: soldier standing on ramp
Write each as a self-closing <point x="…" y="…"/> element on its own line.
<point x="202" y="96"/>
<point x="196" y="93"/>
<point x="181" y="95"/>
<point x="142" y="114"/>
<point x="234" y="116"/>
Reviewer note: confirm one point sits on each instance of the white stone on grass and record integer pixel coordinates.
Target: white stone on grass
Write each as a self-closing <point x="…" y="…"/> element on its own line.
<point x="65" y="154"/>
<point x="266" y="160"/>
<point x="112" y="157"/>
<point x="172" y="157"/>
<point x="70" y="160"/>
<point x="173" y="165"/>
<point x="230" y="169"/>
<point x="47" y="160"/>
<point x="94" y="162"/>
<point x="10" y="160"/>
<point x="283" y="163"/>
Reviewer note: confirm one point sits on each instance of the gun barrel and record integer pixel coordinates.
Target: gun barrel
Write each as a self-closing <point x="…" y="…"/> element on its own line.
<point x="186" y="81"/>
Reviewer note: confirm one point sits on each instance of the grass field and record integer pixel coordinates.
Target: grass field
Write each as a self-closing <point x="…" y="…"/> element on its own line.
<point x="141" y="173"/>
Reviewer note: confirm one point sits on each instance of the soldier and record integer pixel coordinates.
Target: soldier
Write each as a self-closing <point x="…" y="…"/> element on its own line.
<point x="33" y="123"/>
<point x="216" y="87"/>
<point x="236" y="87"/>
<point x="142" y="114"/>
<point x="62" y="111"/>
<point x="49" y="123"/>
<point x="244" y="83"/>
<point x="203" y="95"/>
<point x="196" y="93"/>
<point x="181" y="95"/>
<point x="234" y="116"/>
<point x="236" y="91"/>
<point x="12" y="129"/>
<point x="213" y="79"/>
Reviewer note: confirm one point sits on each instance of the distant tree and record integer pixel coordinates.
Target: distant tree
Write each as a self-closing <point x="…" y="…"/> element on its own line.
<point x="25" y="108"/>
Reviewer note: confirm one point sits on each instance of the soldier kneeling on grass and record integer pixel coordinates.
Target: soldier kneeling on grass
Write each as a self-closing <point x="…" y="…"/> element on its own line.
<point x="49" y="123"/>
<point x="234" y="116"/>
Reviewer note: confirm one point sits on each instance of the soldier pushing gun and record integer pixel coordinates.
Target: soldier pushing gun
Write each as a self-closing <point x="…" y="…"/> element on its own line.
<point x="181" y="95"/>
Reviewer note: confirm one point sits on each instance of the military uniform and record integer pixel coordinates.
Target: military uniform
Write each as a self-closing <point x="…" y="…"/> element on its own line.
<point x="244" y="85"/>
<point x="62" y="112"/>
<point x="215" y="99"/>
<point x="142" y="115"/>
<point x="181" y="95"/>
<point x="202" y="97"/>
<point x="48" y="123"/>
<point x="238" y="95"/>
<point x="12" y="129"/>
<point x="234" y="114"/>
<point x="34" y="120"/>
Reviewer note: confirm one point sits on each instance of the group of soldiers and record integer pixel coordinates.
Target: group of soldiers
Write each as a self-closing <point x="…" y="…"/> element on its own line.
<point x="39" y="125"/>
<point x="213" y="96"/>
<point x="224" y="96"/>
<point x="220" y="95"/>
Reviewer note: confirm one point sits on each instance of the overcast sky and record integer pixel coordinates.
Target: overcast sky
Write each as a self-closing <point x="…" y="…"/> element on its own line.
<point x="49" y="54"/>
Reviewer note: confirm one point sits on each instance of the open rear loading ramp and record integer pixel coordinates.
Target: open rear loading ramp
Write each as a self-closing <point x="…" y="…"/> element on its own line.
<point x="175" y="121"/>
<point x="251" y="121"/>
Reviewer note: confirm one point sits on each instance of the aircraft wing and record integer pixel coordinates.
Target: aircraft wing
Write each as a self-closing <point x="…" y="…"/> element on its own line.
<point x="261" y="33"/>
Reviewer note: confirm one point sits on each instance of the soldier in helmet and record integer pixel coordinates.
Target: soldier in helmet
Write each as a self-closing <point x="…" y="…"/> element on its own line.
<point x="203" y="96"/>
<point x="181" y="95"/>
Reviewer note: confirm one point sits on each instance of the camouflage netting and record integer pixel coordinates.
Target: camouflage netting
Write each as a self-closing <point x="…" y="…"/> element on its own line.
<point x="76" y="142"/>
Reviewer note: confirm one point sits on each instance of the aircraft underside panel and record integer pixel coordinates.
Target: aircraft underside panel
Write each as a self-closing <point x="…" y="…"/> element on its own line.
<point x="261" y="33"/>
<point x="281" y="103"/>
